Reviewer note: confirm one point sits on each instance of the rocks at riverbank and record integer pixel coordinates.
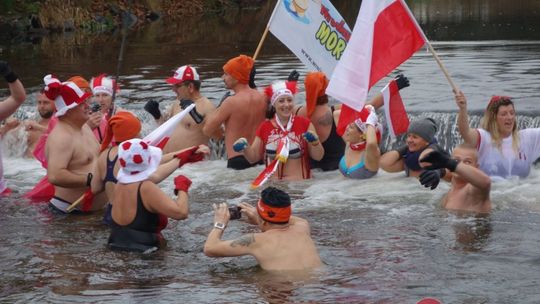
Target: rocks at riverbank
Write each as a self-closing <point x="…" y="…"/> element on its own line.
<point x="24" y="19"/>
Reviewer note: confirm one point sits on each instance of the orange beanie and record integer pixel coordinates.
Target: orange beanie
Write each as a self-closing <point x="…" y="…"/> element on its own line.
<point x="123" y="126"/>
<point x="315" y="84"/>
<point x="239" y="68"/>
<point x="80" y="82"/>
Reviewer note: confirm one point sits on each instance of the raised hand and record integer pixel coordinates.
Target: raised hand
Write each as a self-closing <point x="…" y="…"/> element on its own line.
<point x="372" y="118"/>
<point x="293" y="76"/>
<point x="181" y="183"/>
<point x="461" y="101"/>
<point x="6" y="71"/>
<point x="402" y="81"/>
<point x="240" y="144"/>
<point x="152" y="107"/>
<point x="252" y="78"/>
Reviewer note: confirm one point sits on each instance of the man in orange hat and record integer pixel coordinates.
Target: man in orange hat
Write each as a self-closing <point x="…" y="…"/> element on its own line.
<point x="71" y="148"/>
<point x="241" y="113"/>
<point x="285" y="241"/>
<point x="186" y="84"/>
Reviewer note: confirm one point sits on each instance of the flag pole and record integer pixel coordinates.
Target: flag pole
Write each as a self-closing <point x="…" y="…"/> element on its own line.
<point x="265" y="33"/>
<point x="443" y="68"/>
<point x="75" y="203"/>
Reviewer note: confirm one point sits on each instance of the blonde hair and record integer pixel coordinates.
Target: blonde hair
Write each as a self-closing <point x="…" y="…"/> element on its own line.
<point x="489" y="122"/>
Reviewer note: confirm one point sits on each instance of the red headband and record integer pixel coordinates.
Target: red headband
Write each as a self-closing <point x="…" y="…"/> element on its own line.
<point x="275" y="215"/>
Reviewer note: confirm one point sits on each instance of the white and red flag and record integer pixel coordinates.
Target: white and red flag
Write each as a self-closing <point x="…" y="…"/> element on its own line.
<point x="160" y="136"/>
<point x="384" y="36"/>
<point x="394" y="110"/>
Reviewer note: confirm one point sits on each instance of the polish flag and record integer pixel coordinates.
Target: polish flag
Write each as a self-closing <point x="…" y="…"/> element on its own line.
<point x="384" y="36"/>
<point x="394" y="110"/>
<point x="160" y="136"/>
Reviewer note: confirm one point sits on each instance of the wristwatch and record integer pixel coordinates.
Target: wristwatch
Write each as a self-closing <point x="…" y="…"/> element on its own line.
<point x="219" y="226"/>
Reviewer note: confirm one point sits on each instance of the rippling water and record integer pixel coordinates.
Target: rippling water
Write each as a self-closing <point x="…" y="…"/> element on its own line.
<point x="383" y="240"/>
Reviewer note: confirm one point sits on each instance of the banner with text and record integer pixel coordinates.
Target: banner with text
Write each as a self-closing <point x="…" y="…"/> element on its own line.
<point x="313" y="30"/>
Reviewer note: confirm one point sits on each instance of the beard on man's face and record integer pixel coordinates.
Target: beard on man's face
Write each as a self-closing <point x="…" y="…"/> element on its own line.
<point x="46" y="114"/>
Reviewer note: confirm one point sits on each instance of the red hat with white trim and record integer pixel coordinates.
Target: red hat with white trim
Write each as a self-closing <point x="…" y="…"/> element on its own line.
<point x="183" y="73"/>
<point x="66" y="95"/>
<point x="138" y="160"/>
<point x="279" y="89"/>
<point x="103" y="84"/>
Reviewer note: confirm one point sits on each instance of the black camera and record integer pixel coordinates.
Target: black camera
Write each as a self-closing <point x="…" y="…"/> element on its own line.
<point x="95" y="107"/>
<point x="234" y="212"/>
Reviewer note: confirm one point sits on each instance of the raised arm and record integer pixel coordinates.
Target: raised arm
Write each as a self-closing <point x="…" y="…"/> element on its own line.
<point x="16" y="89"/>
<point x="158" y="202"/>
<point x="315" y="148"/>
<point x="469" y="135"/>
<point x="251" y="152"/>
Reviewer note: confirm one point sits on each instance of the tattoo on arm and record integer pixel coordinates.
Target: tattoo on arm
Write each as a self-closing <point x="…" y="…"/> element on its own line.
<point x="326" y="120"/>
<point x="245" y="240"/>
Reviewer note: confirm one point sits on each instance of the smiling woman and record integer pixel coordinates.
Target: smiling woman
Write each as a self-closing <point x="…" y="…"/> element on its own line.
<point x="504" y="150"/>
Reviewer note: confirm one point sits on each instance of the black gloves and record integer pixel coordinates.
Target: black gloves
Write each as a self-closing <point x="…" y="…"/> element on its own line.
<point x="293" y="76"/>
<point x="439" y="159"/>
<point x="402" y="81"/>
<point x="252" y="78"/>
<point x="431" y="178"/>
<point x="152" y="107"/>
<point x="198" y="117"/>
<point x="6" y="71"/>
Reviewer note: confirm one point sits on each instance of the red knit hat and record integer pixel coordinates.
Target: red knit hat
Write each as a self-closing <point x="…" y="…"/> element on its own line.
<point x="122" y="126"/>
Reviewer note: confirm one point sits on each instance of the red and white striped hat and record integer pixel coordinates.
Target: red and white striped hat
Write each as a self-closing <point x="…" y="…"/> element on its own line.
<point x="279" y="89"/>
<point x="66" y="95"/>
<point x="183" y="73"/>
<point x="103" y="84"/>
<point x="138" y="160"/>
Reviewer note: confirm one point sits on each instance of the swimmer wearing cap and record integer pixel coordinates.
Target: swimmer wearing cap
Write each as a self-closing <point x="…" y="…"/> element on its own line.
<point x="284" y="242"/>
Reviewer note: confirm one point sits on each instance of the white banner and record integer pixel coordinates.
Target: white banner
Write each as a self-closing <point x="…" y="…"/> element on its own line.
<point x="313" y="30"/>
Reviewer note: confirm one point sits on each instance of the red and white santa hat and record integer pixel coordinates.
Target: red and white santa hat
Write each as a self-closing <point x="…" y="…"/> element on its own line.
<point x="279" y="89"/>
<point x="138" y="160"/>
<point x="361" y="119"/>
<point x="66" y="95"/>
<point x="103" y="84"/>
<point x="183" y="73"/>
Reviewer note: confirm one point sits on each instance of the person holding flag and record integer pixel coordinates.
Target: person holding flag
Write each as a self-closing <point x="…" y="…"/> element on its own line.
<point x="362" y="154"/>
<point x="141" y="209"/>
<point x="125" y="126"/>
<point x="286" y="141"/>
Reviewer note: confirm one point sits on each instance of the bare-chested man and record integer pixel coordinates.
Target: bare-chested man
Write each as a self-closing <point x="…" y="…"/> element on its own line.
<point x="33" y="128"/>
<point x="284" y="244"/>
<point x="186" y="84"/>
<point x="470" y="186"/>
<point x="7" y="107"/>
<point x="71" y="148"/>
<point x="241" y="113"/>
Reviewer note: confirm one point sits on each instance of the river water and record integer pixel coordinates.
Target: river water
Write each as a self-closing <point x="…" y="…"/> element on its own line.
<point x="383" y="240"/>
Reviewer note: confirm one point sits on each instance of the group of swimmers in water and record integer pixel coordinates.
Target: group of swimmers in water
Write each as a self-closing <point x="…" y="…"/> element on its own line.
<point x="94" y="154"/>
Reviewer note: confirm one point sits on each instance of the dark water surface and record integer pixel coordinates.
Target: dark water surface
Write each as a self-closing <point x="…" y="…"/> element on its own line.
<point x="384" y="240"/>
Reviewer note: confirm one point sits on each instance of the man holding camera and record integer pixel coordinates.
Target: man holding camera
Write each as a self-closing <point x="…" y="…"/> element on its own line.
<point x="186" y="84"/>
<point x="284" y="242"/>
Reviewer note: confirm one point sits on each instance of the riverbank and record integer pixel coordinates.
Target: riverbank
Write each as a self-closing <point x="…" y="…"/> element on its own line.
<point x="22" y="20"/>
